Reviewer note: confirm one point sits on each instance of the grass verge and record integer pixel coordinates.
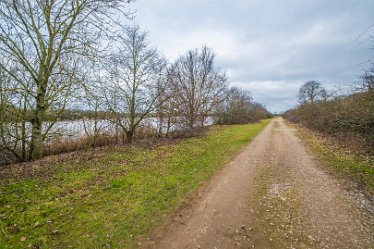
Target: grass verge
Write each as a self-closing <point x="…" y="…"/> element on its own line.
<point x="108" y="201"/>
<point x="352" y="166"/>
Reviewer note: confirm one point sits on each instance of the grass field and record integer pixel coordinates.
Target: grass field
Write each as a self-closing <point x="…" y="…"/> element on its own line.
<point x="108" y="201"/>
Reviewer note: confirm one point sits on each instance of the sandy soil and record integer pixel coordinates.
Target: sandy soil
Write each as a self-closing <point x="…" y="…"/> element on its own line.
<point x="274" y="194"/>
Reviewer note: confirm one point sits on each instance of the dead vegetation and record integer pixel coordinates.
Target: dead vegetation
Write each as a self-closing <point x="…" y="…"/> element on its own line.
<point x="348" y="120"/>
<point x="84" y="150"/>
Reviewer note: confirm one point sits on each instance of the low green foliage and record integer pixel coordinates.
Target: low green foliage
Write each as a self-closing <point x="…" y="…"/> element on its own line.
<point x="110" y="200"/>
<point x="359" y="169"/>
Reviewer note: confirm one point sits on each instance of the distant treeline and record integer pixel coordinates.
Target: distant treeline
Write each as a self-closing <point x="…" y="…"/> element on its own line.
<point x="76" y="114"/>
<point x="238" y="107"/>
<point x="69" y="114"/>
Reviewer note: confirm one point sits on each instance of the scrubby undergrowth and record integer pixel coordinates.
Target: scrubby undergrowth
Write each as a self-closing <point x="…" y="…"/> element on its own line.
<point x="350" y="120"/>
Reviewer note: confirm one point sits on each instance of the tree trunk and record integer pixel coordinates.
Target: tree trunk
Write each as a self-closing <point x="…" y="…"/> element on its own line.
<point x="23" y="140"/>
<point x="161" y="121"/>
<point x="37" y="139"/>
<point x="203" y="118"/>
<point x="117" y="133"/>
<point x="168" y="127"/>
<point x="129" y="136"/>
<point x="123" y="138"/>
<point x="36" y="150"/>
<point x="191" y="120"/>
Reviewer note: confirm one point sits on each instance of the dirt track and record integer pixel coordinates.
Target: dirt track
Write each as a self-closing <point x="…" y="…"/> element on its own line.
<point x="272" y="195"/>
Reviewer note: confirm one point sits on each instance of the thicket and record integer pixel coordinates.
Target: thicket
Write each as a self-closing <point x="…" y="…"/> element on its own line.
<point x="348" y="118"/>
<point x="238" y="107"/>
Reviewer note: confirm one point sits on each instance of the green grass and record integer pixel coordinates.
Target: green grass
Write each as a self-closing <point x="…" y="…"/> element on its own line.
<point x="107" y="202"/>
<point x="356" y="168"/>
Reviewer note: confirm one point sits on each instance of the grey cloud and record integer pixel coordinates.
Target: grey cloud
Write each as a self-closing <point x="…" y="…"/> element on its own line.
<point x="267" y="47"/>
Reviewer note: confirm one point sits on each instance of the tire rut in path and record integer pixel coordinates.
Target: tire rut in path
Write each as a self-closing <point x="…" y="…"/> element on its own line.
<point x="272" y="195"/>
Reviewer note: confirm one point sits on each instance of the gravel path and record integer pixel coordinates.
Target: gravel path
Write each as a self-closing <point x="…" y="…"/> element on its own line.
<point x="273" y="194"/>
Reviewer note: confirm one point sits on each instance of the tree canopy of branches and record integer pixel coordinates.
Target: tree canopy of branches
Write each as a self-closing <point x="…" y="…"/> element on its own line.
<point x="238" y="107"/>
<point x="312" y="91"/>
<point x="198" y="85"/>
<point x="43" y="43"/>
<point x="132" y="84"/>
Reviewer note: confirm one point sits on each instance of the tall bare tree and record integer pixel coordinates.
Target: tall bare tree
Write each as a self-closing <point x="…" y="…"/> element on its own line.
<point x="131" y="86"/>
<point x="42" y="39"/>
<point x="168" y="110"/>
<point x="312" y="91"/>
<point x="198" y="85"/>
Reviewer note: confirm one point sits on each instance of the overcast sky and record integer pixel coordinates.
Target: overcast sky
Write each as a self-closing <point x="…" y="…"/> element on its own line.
<point x="267" y="47"/>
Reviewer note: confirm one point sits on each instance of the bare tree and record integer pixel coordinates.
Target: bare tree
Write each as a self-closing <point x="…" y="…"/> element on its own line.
<point x="169" y="111"/>
<point x="6" y="125"/>
<point x="367" y="81"/>
<point x="42" y="39"/>
<point x="95" y="124"/>
<point x="132" y="76"/>
<point x="198" y="85"/>
<point x="165" y="107"/>
<point x="312" y="91"/>
<point x="14" y="113"/>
